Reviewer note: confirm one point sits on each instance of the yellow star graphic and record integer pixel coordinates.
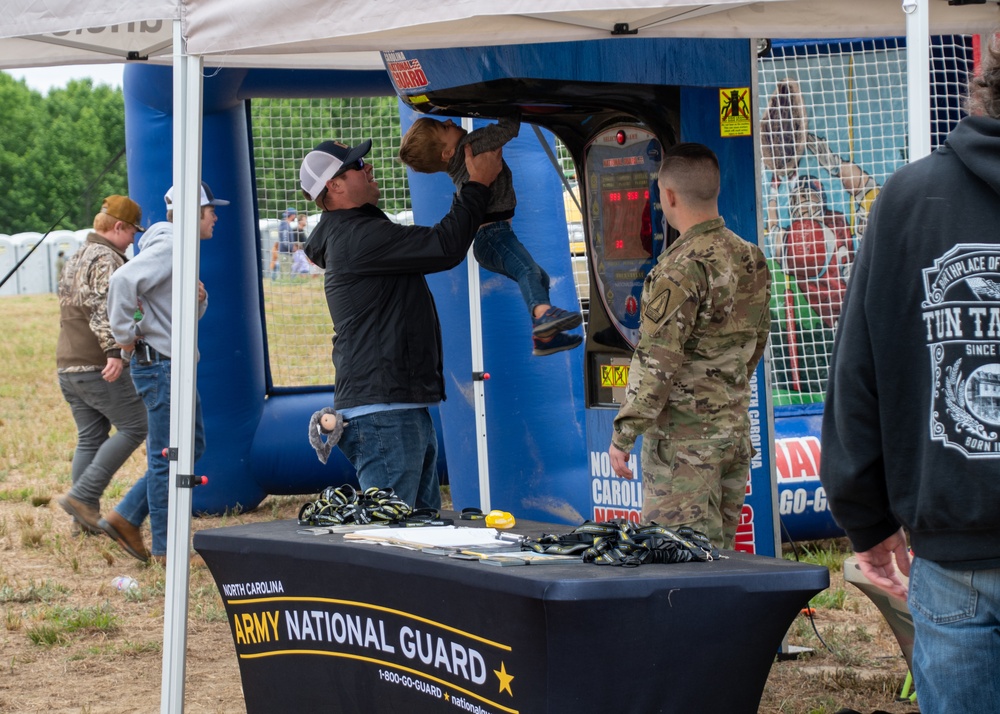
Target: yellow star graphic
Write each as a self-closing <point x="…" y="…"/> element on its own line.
<point x="447" y="697"/>
<point x="505" y="679"/>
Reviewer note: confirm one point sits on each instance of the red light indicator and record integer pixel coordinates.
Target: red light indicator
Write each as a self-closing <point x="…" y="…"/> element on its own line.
<point x="619" y="244"/>
<point x="620" y="137"/>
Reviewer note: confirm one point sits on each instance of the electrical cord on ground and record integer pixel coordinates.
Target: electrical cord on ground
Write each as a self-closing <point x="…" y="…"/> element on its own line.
<point x="808" y="610"/>
<point x="41" y="240"/>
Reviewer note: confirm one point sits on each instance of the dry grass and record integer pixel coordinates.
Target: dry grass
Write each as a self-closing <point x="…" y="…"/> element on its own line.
<point x="70" y="643"/>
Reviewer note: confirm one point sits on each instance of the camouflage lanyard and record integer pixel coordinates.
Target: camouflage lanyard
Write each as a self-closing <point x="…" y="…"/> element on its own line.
<point x="620" y="542"/>
<point x="344" y="505"/>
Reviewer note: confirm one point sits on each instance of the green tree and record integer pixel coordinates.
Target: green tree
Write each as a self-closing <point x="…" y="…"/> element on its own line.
<point x="21" y="115"/>
<point x="52" y="148"/>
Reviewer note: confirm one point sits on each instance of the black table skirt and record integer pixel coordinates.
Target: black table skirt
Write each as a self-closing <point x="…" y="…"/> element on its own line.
<point x="324" y="625"/>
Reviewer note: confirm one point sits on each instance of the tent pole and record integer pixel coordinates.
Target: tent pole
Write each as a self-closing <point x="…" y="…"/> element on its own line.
<point x="187" y="109"/>
<point x="918" y="74"/>
<point x="478" y="388"/>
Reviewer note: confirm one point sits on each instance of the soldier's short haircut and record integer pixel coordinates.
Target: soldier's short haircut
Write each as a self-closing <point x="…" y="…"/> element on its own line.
<point x="693" y="170"/>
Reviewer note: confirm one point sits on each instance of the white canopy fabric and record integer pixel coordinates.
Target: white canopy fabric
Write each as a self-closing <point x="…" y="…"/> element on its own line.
<point x="40" y="33"/>
<point x="282" y="28"/>
<point x="59" y="32"/>
<point x="310" y="33"/>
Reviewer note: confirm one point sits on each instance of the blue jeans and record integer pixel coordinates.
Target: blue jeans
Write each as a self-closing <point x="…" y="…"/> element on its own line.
<point x="97" y="405"/>
<point x="395" y="449"/>
<point x="956" y="648"/>
<point x="497" y="249"/>
<point x="151" y="494"/>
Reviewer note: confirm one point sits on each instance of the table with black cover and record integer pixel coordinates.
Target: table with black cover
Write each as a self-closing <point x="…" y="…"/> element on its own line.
<point x="324" y="625"/>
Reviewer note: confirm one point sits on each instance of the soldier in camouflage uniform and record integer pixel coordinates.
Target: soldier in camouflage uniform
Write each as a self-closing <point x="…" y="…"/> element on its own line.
<point x="705" y="322"/>
<point x="93" y="374"/>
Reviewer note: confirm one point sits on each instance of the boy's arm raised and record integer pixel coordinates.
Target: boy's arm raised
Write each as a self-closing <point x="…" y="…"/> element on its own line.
<point x="493" y="136"/>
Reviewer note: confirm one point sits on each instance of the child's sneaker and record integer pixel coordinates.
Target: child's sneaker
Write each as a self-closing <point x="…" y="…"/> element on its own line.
<point x="555" y="320"/>
<point x="557" y="343"/>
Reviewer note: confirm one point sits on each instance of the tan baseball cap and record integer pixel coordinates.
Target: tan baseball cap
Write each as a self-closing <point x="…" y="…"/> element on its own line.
<point x="123" y="209"/>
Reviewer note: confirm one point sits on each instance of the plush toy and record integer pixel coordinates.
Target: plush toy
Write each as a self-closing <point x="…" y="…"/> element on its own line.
<point x="326" y="422"/>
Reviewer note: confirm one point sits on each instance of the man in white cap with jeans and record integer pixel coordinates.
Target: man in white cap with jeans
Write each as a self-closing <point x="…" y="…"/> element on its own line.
<point x="140" y="312"/>
<point x="387" y="341"/>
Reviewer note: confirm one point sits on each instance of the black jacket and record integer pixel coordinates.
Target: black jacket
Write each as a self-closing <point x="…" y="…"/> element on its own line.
<point x="911" y="424"/>
<point x="387" y="339"/>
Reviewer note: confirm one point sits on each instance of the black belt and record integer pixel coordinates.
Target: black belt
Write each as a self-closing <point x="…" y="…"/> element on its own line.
<point x="158" y="356"/>
<point x="144" y="354"/>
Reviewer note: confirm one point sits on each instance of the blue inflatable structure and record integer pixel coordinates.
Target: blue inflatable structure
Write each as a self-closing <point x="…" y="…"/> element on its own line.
<point x="548" y="420"/>
<point x="257" y="441"/>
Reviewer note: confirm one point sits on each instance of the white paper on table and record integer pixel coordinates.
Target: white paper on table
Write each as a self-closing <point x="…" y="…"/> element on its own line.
<point x="430" y="536"/>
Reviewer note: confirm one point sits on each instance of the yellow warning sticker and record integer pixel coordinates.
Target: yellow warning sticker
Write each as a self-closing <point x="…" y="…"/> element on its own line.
<point x="614" y="375"/>
<point x="734" y="112"/>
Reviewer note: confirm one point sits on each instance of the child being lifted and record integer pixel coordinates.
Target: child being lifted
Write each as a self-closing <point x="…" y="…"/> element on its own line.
<point x="431" y="146"/>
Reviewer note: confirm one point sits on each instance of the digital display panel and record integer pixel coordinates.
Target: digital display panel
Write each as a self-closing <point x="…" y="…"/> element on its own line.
<point x="625" y="217"/>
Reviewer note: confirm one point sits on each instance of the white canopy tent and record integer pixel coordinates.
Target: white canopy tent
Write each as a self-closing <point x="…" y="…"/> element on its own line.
<point x="346" y="34"/>
<point x="306" y="33"/>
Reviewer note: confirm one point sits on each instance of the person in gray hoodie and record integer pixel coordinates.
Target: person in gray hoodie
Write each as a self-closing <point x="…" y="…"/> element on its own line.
<point x="139" y="310"/>
<point x="911" y="423"/>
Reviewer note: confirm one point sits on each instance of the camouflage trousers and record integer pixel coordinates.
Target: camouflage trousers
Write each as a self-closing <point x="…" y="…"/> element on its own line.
<point x="699" y="483"/>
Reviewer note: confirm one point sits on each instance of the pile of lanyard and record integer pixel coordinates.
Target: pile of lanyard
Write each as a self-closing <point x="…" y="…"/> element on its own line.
<point x="621" y="542"/>
<point x="344" y="505"/>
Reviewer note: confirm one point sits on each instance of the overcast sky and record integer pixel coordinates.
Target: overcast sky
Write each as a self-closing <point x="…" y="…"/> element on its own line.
<point x="43" y="79"/>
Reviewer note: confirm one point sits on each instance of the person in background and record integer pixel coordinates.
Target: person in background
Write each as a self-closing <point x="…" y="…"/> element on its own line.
<point x="704" y="325"/>
<point x="273" y="265"/>
<point x="300" y="262"/>
<point x="911" y="422"/>
<point x="93" y="375"/>
<point x="286" y="239"/>
<point x="302" y="229"/>
<point x="387" y="341"/>
<point x="431" y="146"/>
<point x="140" y="310"/>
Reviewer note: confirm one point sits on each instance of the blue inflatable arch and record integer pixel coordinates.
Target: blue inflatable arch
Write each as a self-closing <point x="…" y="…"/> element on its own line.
<point x="537" y="419"/>
<point x="257" y="441"/>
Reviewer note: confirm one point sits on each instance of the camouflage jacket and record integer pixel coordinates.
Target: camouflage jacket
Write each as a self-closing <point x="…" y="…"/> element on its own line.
<point x="705" y="322"/>
<point x="85" y="339"/>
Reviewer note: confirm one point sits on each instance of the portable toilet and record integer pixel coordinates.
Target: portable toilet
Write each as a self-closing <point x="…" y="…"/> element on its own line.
<point x="8" y="259"/>
<point x="60" y="246"/>
<point x="33" y="275"/>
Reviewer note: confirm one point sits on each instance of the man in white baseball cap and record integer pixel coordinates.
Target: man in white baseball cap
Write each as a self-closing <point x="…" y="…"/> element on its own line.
<point x="140" y="312"/>
<point x="207" y="198"/>
<point x="387" y="346"/>
<point x="329" y="160"/>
